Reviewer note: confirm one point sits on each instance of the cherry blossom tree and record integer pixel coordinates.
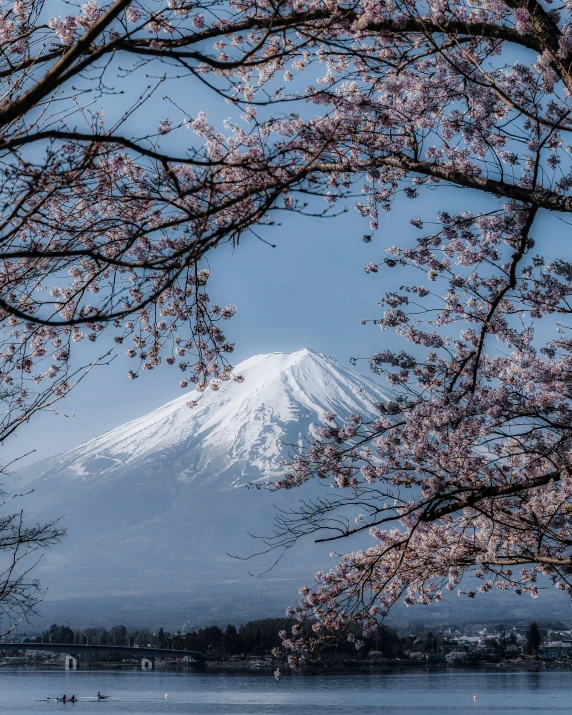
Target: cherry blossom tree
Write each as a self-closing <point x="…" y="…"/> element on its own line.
<point x="103" y="226"/>
<point x="106" y="224"/>
<point x="466" y="471"/>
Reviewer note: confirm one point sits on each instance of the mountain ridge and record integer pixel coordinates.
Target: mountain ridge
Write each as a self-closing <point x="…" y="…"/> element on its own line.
<point x="156" y="504"/>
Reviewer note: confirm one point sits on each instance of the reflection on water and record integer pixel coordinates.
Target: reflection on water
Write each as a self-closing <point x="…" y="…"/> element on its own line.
<point x="406" y="693"/>
<point x="534" y="680"/>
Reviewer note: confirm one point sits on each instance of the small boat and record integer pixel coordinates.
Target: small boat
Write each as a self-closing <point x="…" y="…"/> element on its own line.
<point x="74" y="700"/>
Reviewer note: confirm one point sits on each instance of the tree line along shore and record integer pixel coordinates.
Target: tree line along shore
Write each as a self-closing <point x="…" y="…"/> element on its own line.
<point x="254" y="644"/>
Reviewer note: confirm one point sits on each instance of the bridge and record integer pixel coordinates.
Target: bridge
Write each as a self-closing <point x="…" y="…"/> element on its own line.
<point x="73" y="652"/>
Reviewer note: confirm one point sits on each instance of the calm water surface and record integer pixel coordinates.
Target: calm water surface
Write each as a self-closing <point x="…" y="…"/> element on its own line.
<point x="205" y="693"/>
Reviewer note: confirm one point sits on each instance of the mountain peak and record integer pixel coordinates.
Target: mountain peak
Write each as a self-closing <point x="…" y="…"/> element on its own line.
<point x="280" y="361"/>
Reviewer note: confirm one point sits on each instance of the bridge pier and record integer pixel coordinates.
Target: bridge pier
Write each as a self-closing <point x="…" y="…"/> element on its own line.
<point x="72" y="661"/>
<point x="147" y="663"/>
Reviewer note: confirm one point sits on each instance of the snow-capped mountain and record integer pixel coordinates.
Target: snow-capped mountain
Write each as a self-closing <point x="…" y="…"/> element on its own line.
<point x="155" y="504"/>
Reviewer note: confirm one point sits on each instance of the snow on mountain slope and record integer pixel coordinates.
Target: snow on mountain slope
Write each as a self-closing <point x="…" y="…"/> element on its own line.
<point x="241" y="420"/>
<point x="156" y="503"/>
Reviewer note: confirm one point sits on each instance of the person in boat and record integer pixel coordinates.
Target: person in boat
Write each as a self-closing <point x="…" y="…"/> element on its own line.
<point x="73" y="699"/>
<point x="100" y="696"/>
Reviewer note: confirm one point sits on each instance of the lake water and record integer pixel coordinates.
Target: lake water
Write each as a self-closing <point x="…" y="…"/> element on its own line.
<point x="195" y="693"/>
